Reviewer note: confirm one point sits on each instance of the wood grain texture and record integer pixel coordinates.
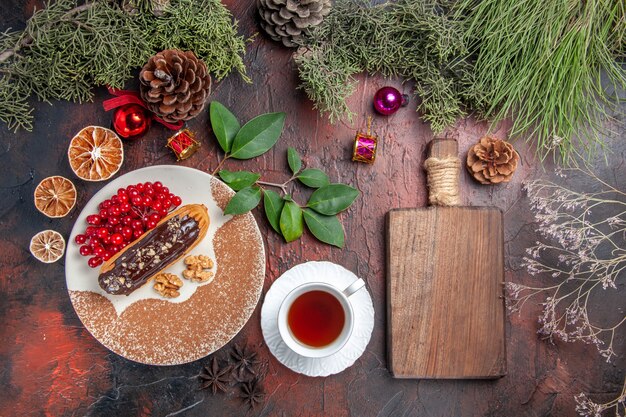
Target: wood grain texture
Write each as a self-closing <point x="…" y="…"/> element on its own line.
<point x="445" y="304"/>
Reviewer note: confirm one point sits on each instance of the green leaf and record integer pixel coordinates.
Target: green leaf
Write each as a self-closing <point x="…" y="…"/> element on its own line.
<point x="258" y="135"/>
<point x="273" y="207"/>
<point x="244" y="201"/>
<point x="224" y="124"/>
<point x="287" y="197"/>
<point x="239" y="179"/>
<point x="328" y="229"/>
<point x="291" y="224"/>
<point x="314" y="178"/>
<point x="295" y="163"/>
<point x="333" y="198"/>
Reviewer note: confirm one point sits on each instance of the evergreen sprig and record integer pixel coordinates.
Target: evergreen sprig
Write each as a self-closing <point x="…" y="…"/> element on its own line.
<point x="416" y="40"/>
<point x="553" y="67"/>
<point x="69" y="47"/>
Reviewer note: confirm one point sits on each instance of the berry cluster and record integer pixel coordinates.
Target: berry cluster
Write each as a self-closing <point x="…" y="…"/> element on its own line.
<point x="123" y="218"/>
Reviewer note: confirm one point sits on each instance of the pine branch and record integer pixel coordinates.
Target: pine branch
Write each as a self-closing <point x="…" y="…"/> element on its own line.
<point x="416" y="40"/>
<point x="67" y="48"/>
<point x="28" y="39"/>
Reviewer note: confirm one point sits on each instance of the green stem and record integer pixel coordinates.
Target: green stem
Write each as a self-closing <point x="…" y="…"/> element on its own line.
<point x="221" y="163"/>
<point x="282" y="186"/>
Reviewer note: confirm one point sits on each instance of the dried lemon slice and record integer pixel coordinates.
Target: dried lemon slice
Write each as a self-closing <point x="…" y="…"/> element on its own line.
<point x="47" y="246"/>
<point x="95" y="153"/>
<point x="55" y="196"/>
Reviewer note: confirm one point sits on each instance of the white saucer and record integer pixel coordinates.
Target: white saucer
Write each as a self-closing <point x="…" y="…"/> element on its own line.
<point x="363" y="319"/>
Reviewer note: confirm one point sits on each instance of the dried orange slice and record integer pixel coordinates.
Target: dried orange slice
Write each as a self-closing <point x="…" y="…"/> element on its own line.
<point x="95" y="153"/>
<point x="47" y="246"/>
<point x="55" y="196"/>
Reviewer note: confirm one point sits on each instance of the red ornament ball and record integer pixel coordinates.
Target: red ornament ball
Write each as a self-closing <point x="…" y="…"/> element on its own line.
<point x="388" y="100"/>
<point x="131" y="121"/>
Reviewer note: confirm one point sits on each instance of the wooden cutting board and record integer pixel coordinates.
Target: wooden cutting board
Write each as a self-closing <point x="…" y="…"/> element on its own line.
<point x="445" y="275"/>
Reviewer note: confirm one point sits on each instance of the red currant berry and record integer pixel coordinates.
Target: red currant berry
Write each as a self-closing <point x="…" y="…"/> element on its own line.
<point x="157" y="185"/>
<point x="103" y="213"/>
<point x="167" y="203"/>
<point x="114" y="248"/>
<point x="85" y="250"/>
<point x="137" y="224"/>
<point x="140" y="187"/>
<point x="127" y="220"/>
<point x="157" y="205"/>
<point x="127" y="232"/>
<point x="98" y="251"/>
<point x="132" y="192"/>
<point x="107" y="255"/>
<point x="165" y="191"/>
<point x="94" y="243"/>
<point x="117" y="239"/>
<point x="123" y="245"/>
<point x="91" y="231"/>
<point x="155" y="217"/>
<point x="125" y="207"/>
<point x="105" y="204"/>
<point x="102" y="233"/>
<point x="147" y="184"/>
<point x="151" y="224"/>
<point x="147" y="201"/>
<point x="149" y="192"/>
<point x="137" y="233"/>
<point x="177" y="201"/>
<point x="161" y="197"/>
<point x="94" y="219"/>
<point x="107" y="240"/>
<point x="114" y="220"/>
<point x="94" y="262"/>
<point x="137" y="201"/>
<point x="118" y="228"/>
<point x="115" y="199"/>
<point x="114" y="211"/>
<point x="80" y="239"/>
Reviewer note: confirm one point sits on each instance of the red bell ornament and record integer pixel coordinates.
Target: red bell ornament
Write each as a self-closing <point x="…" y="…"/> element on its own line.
<point x="131" y="121"/>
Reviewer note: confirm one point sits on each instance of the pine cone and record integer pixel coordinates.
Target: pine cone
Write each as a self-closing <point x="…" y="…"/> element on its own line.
<point x="175" y="85"/>
<point x="288" y="20"/>
<point x="492" y="161"/>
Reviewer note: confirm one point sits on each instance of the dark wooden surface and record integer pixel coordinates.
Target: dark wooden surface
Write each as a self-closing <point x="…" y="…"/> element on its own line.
<point x="50" y="365"/>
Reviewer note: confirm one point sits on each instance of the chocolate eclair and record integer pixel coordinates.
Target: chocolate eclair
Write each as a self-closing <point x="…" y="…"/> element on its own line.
<point x="174" y="236"/>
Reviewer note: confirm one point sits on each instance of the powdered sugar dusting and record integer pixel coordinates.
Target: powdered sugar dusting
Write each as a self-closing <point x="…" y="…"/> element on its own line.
<point x="160" y="332"/>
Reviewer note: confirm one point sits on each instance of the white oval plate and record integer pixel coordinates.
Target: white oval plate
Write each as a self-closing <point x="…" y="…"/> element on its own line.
<point x="88" y="299"/>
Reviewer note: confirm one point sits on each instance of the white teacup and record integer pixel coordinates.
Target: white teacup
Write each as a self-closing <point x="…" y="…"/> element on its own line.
<point x="341" y="295"/>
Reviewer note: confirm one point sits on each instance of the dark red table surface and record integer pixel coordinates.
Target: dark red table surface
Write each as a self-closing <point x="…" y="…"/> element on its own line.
<point x="50" y="365"/>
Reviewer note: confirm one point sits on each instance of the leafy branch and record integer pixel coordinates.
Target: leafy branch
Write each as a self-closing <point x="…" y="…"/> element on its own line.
<point x="285" y="215"/>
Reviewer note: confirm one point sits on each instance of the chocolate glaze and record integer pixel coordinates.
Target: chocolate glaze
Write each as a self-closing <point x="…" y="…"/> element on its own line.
<point x="159" y="247"/>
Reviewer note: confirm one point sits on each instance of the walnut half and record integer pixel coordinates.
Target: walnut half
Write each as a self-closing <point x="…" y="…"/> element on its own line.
<point x="196" y="266"/>
<point x="168" y="285"/>
<point x="199" y="260"/>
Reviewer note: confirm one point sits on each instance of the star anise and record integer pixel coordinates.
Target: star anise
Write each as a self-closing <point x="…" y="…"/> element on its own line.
<point x="252" y="393"/>
<point x="215" y="377"/>
<point x="244" y="362"/>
